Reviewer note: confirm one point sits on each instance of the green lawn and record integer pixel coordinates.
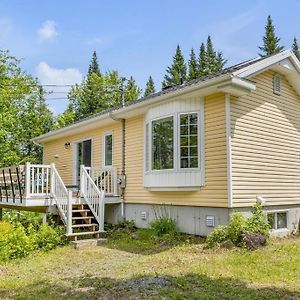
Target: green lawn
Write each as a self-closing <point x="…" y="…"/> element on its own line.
<point x="138" y="266"/>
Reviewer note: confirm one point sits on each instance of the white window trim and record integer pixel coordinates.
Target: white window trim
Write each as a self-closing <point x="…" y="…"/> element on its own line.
<point x="176" y="170"/>
<point x="103" y="148"/>
<point x="275" y="212"/>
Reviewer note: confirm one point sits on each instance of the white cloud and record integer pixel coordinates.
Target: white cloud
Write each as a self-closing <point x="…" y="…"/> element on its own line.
<point x="48" y="31"/>
<point x="61" y="79"/>
<point x="96" y="41"/>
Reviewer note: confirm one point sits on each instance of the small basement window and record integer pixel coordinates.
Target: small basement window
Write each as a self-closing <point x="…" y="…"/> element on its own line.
<point x="277" y="220"/>
<point x="277" y="84"/>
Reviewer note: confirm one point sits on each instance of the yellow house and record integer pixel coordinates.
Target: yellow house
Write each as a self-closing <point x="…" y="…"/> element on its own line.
<point x="194" y="152"/>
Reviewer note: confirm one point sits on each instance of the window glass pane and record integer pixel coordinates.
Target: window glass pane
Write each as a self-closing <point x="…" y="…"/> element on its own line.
<point x="271" y="220"/>
<point x="147" y="147"/>
<point x="162" y="144"/>
<point x="281" y="220"/>
<point x="108" y="150"/>
<point x="189" y="140"/>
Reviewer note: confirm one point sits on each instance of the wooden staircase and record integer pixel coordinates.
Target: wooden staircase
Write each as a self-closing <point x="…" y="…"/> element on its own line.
<point x="84" y="223"/>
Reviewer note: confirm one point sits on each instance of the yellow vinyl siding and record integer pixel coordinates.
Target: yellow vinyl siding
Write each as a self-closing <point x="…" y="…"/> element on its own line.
<point x="265" y="144"/>
<point x="65" y="162"/>
<point x="214" y="193"/>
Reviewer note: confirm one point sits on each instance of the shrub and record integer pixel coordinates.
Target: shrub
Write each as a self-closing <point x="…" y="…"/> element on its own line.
<point x="258" y="221"/>
<point x="14" y="242"/>
<point x="48" y="237"/>
<point x="217" y="236"/>
<point x="163" y="225"/>
<point x="236" y="226"/>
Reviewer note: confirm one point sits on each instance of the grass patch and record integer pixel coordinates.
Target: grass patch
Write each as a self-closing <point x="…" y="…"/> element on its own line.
<point x="134" y="265"/>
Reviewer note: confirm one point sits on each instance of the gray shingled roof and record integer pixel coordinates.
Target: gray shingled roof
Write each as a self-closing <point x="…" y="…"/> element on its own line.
<point x="225" y="71"/>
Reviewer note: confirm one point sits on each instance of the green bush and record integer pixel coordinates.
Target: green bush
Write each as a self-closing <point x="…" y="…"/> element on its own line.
<point x="236" y="226"/>
<point x="17" y="241"/>
<point x="163" y="225"/>
<point x="258" y="221"/>
<point x="218" y="235"/>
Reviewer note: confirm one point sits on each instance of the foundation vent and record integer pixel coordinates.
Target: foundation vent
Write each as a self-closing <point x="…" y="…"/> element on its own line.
<point x="210" y="221"/>
<point x="144" y="215"/>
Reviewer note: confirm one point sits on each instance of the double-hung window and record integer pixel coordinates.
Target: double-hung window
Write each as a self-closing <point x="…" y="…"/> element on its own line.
<point x="188" y="140"/>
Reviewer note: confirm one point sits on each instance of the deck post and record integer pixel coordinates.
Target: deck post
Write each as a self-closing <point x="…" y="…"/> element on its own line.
<point x="52" y="179"/>
<point x="1" y="213"/>
<point x="27" y="180"/>
<point x="44" y="219"/>
<point x="69" y="213"/>
<point x="82" y="179"/>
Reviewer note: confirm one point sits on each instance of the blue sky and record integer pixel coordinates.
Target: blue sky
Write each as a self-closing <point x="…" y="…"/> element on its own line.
<point x="56" y="38"/>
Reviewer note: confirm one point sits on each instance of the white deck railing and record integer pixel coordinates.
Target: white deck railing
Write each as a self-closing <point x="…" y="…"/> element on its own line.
<point x="93" y="196"/>
<point x="105" y="179"/>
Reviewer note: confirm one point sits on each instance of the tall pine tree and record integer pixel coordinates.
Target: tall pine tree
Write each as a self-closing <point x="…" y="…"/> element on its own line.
<point x="150" y="87"/>
<point x="132" y="91"/>
<point x="270" y="40"/>
<point x="94" y="65"/>
<point x="176" y="73"/>
<point x="202" y="62"/>
<point x="295" y="48"/>
<point x="214" y="60"/>
<point x="193" y="66"/>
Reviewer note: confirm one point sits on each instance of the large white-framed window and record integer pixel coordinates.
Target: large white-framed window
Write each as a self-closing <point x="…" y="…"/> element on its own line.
<point x="172" y="142"/>
<point x="108" y="149"/>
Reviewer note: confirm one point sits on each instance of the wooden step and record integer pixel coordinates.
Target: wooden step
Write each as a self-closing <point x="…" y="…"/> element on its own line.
<point x="80" y="210"/>
<point x="84" y="225"/>
<point x="83" y="218"/>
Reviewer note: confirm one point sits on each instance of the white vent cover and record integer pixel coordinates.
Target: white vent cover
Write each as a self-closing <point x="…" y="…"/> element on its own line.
<point x="144" y="215"/>
<point x="210" y="221"/>
<point x="277" y="84"/>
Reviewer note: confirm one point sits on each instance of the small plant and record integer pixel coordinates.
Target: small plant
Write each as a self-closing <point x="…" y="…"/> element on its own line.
<point x="258" y="221"/>
<point x="218" y="235"/>
<point x="236" y="226"/>
<point x="163" y="225"/>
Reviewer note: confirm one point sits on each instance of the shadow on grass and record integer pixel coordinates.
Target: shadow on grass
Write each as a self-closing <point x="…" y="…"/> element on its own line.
<point x="189" y="286"/>
<point x="143" y="241"/>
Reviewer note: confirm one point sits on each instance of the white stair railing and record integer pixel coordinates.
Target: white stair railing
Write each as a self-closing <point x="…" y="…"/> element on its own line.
<point x="62" y="198"/>
<point x="105" y="179"/>
<point x="93" y="197"/>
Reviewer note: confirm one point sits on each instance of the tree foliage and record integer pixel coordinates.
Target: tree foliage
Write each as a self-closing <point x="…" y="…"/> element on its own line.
<point x="176" y="73"/>
<point x="270" y="40"/>
<point x="150" y="87"/>
<point x="295" y="48"/>
<point x="23" y="113"/>
<point x="97" y="92"/>
<point x="193" y="66"/>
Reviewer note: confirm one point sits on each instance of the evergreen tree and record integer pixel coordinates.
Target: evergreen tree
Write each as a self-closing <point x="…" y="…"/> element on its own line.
<point x="176" y="73"/>
<point x="132" y="91"/>
<point x="295" y="48"/>
<point x="202" y="62"/>
<point x="214" y="60"/>
<point x="150" y="87"/>
<point x="94" y="65"/>
<point x="193" y="69"/>
<point x="270" y="40"/>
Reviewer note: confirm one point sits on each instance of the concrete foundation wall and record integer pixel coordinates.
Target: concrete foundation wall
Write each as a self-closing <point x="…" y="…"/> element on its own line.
<point x="193" y="220"/>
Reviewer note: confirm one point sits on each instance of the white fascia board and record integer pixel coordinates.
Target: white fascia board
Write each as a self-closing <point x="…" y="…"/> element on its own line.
<point x="264" y="64"/>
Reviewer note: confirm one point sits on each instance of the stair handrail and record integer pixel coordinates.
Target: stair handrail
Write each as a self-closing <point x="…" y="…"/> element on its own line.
<point x="62" y="197"/>
<point x="93" y="197"/>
